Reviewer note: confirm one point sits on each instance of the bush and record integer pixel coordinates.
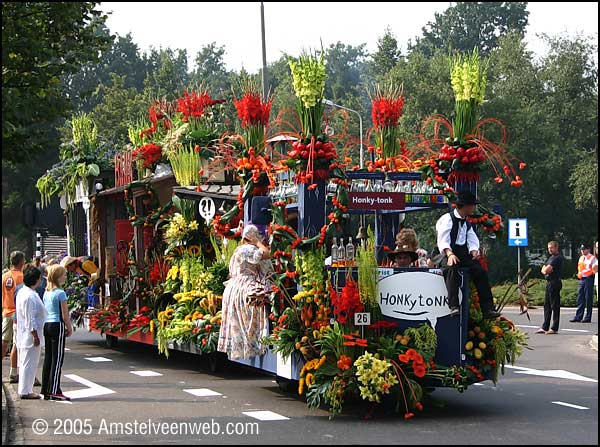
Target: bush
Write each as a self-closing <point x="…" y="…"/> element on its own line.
<point x="568" y="294"/>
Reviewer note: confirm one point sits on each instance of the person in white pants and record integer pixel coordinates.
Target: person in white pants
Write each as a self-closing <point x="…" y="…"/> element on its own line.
<point x="31" y="315"/>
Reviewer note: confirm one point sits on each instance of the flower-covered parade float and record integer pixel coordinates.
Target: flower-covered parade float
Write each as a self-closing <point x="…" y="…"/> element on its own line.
<point x="346" y="326"/>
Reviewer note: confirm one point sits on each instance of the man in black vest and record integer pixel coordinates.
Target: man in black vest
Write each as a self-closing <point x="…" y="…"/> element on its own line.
<point x="458" y="241"/>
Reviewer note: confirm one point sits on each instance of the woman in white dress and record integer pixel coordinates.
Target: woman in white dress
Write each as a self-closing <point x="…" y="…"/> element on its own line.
<point x="31" y="315"/>
<point x="245" y="318"/>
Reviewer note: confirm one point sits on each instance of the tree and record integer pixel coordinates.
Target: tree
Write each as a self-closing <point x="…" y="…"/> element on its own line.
<point x="345" y="64"/>
<point x="211" y="74"/>
<point x="121" y="107"/>
<point x="167" y="74"/>
<point x="123" y="58"/>
<point x="469" y="25"/>
<point x="210" y="70"/>
<point x="387" y="55"/>
<point x="584" y="182"/>
<point x="40" y="43"/>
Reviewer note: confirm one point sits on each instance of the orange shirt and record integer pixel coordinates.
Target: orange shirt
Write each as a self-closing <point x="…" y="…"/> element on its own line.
<point x="10" y="281"/>
<point x="585" y="266"/>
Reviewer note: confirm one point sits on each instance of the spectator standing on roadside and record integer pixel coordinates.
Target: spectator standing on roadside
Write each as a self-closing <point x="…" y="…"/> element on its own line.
<point x="10" y="281"/>
<point x="552" y="271"/>
<point x="586" y="269"/>
<point x="56" y="329"/>
<point x="43" y="281"/>
<point x="31" y="315"/>
<point x="596" y="275"/>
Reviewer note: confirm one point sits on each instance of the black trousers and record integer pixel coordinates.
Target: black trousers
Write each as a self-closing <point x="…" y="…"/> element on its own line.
<point x="54" y="354"/>
<point x="476" y="272"/>
<point x="552" y="304"/>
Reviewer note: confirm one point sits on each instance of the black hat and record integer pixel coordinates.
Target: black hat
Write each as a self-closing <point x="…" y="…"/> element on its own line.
<point x="404" y="249"/>
<point x="585" y="247"/>
<point x="466" y="198"/>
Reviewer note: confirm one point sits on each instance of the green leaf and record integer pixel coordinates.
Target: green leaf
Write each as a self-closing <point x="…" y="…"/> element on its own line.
<point x="93" y="170"/>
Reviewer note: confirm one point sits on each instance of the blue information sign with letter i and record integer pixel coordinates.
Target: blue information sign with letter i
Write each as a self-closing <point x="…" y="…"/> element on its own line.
<point x="517" y="232"/>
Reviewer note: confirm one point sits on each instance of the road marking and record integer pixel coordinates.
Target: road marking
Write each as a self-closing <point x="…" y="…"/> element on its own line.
<point x="478" y="384"/>
<point x="524" y="325"/>
<point x="67" y="349"/>
<point x="556" y="373"/>
<point x="98" y="359"/>
<point x="575" y="330"/>
<point x="202" y="392"/>
<point x="564" y="404"/>
<point x="93" y="389"/>
<point x="146" y="373"/>
<point x="265" y="416"/>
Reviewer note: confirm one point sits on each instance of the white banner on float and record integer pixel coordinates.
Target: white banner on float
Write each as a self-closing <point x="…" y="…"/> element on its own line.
<point x="414" y="296"/>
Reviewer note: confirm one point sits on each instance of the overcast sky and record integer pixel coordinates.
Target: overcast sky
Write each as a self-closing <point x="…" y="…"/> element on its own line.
<point x="293" y="26"/>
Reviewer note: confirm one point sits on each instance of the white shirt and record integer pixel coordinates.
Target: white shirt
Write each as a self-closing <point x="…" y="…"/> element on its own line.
<point x="443" y="227"/>
<point x="31" y="314"/>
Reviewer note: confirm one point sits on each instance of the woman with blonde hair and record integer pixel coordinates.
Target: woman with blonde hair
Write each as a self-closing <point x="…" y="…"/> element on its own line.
<point x="58" y="326"/>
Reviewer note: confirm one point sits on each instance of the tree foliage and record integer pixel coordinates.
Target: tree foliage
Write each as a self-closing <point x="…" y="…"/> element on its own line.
<point x="469" y="25"/>
<point x="42" y="41"/>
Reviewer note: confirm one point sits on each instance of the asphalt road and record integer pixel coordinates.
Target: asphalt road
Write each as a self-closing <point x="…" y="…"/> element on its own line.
<point x="549" y="397"/>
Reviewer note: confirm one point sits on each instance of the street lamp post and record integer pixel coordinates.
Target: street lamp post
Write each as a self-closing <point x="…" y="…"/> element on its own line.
<point x="331" y="103"/>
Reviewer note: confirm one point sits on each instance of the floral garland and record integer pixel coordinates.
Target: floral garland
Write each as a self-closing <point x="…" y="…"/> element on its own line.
<point x="157" y="211"/>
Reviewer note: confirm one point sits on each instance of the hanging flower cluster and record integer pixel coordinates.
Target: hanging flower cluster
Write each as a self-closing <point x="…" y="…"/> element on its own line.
<point x="489" y="220"/>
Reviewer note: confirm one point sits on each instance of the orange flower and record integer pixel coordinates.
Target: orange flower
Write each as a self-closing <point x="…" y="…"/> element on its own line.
<point x="344" y="362"/>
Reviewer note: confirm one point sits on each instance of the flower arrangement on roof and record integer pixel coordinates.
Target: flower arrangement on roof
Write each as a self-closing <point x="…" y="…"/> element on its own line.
<point x="80" y="158"/>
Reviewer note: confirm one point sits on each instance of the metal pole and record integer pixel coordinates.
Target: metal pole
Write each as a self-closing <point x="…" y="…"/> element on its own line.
<point x="519" y="264"/>
<point x="360" y="125"/>
<point x="362" y="158"/>
<point x="264" y="51"/>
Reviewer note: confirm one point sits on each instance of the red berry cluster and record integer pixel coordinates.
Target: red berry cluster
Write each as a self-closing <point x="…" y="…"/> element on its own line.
<point x="472" y="155"/>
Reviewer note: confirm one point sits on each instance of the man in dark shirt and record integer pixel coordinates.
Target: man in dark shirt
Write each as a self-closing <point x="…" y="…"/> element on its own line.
<point x="552" y="271"/>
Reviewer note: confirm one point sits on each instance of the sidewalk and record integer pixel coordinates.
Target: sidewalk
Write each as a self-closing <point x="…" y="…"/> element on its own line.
<point x="12" y="428"/>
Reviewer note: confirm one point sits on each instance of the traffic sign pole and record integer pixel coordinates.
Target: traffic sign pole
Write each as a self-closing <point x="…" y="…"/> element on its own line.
<point x="519" y="264"/>
<point x="518" y="237"/>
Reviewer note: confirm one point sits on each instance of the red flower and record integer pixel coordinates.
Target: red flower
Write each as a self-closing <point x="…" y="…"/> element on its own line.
<point x="346" y="304"/>
<point x="383" y="324"/>
<point x="420" y="371"/>
<point x="386" y="112"/>
<point x="403" y="358"/>
<point x="409" y="415"/>
<point x="252" y="111"/>
<point x="150" y="153"/>
<point x="195" y="106"/>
